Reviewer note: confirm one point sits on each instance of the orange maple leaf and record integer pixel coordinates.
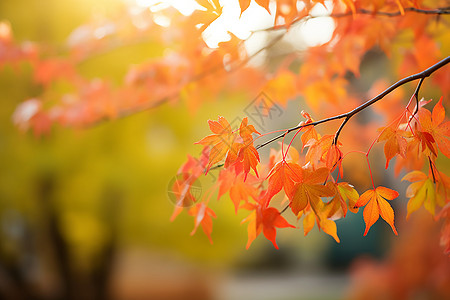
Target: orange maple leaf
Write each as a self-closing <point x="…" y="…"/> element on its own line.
<point x="328" y="226"/>
<point x="395" y="142"/>
<point x="265" y="219"/>
<point x="244" y="4"/>
<point x="221" y="141"/>
<point x="250" y="158"/>
<point x="422" y="191"/>
<point x="264" y="4"/>
<point x="271" y="218"/>
<point x="309" y="189"/>
<point x="240" y="191"/>
<point x="248" y="154"/>
<point x="202" y="214"/>
<point x="345" y="197"/>
<point x="413" y="159"/>
<point x="283" y="175"/>
<point x="433" y="124"/>
<point x="309" y="132"/>
<point x="319" y="148"/>
<point x="376" y="206"/>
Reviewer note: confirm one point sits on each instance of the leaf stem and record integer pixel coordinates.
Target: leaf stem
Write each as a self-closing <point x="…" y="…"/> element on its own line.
<point x="432" y="171"/>
<point x="416" y="95"/>
<point x="370" y="170"/>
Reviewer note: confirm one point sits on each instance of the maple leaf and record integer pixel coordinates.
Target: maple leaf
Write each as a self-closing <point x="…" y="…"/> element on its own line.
<point x="221" y="141"/>
<point x="328" y="226"/>
<point x="395" y="142"/>
<point x="203" y="215"/>
<point x="241" y="191"/>
<point x="187" y="174"/>
<point x="427" y="142"/>
<point x="308" y="222"/>
<point x="253" y="228"/>
<point x="226" y="181"/>
<point x="434" y="125"/>
<point x="345" y="197"/>
<point x="333" y="158"/>
<point x="209" y="5"/>
<point x="283" y="175"/>
<point x="412" y="160"/>
<point x="319" y="148"/>
<point x="213" y="11"/>
<point x="309" y="132"/>
<point x="309" y="189"/>
<point x="265" y="219"/>
<point x="264" y="4"/>
<point x="244" y="4"/>
<point x="247" y="152"/>
<point x="421" y="191"/>
<point x="182" y="189"/>
<point x="376" y="206"/>
<point x="271" y="219"/>
<point x="246" y="131"/>
<point x="250" y="158"/>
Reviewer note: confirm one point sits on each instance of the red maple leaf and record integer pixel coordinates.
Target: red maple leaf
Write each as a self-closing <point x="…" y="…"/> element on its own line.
<point x="265" y="219"/>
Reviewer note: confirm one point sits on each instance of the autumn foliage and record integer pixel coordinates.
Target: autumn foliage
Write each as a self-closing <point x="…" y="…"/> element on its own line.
<point x="304" y="174"/>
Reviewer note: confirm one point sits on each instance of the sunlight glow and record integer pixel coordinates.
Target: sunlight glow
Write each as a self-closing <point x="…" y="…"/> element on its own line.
<point x="313" y="32"/>
<point x="318" y="31"/>
<point x="186" y="7"/>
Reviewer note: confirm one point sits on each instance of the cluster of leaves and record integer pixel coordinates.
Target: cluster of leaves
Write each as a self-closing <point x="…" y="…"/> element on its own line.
<point x="310" y="188"/>
<point x="408" y="31"/>
<point x="185" y="66"/>
<point x="190" y="70"/>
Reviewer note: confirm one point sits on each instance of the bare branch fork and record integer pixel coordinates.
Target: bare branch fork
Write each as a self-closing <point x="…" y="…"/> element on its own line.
<point x="346" y="116"/>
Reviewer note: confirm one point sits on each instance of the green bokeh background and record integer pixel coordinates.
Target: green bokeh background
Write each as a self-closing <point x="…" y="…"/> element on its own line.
<point x="109" y="181"/>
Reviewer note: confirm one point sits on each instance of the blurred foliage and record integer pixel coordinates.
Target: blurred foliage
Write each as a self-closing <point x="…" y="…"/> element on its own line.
<point x="106" y="186"/>
<point x="108" y="182"/>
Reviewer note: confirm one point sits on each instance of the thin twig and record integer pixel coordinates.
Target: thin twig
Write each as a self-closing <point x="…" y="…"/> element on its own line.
<point x="416" y="95"/>
<point x="424" y="74"/>
<point x="432" y="171"/>
<point x="437" y="11"/>
<point x="284" y="209"/>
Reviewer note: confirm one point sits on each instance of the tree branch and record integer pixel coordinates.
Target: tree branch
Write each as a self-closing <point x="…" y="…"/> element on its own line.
<point x="437" y="11"/>
<point x="422" y="75"/>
